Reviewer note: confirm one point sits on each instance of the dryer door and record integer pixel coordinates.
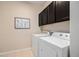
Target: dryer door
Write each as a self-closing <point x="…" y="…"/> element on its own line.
<point x="35" y="46"/>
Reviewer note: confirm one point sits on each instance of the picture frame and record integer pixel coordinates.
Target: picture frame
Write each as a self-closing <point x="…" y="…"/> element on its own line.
<point x="21" y="23"/>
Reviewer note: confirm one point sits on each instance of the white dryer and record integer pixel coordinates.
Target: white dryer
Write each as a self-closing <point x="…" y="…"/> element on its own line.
<point x="35" y="40"/>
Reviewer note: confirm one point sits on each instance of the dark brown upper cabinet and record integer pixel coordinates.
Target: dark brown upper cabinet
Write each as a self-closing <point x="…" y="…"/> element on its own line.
<point x="62" y="11"/>
<point x="56" y="11"/>
<point x="51" y="13"/>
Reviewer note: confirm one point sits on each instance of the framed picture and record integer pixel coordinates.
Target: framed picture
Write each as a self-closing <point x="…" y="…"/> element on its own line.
<point x="22" y="23"/>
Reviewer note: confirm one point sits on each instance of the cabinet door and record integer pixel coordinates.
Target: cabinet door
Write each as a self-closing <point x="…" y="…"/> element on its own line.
<point x="51" y="13"/>
<point x="62" y="11"/>
<point x="40" y="19"/>
<point x="45" y="16"/>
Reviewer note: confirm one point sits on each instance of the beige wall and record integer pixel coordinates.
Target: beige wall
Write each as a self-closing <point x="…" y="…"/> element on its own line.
<point x="11" y="38"/>
<point x="60" y="26"/>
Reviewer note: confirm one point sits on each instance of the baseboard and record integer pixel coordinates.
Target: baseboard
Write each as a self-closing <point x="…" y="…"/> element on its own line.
<point x="3" y="53"/>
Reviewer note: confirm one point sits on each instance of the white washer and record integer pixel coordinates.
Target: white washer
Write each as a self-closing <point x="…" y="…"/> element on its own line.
<point x="55" y="46"/>
<point x="35" y="38"/>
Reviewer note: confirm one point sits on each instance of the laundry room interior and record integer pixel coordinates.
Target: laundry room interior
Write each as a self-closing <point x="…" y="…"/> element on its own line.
<point x="39" y="28"/>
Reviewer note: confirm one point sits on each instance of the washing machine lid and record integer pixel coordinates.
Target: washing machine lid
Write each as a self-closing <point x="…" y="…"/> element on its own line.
<point x="56" y="41"/>
<point x="60" y="42"/>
